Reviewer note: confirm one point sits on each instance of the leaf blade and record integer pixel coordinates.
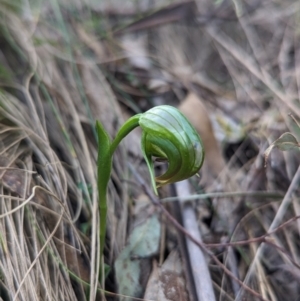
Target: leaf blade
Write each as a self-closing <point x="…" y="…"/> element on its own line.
<point x="286" y="142"/>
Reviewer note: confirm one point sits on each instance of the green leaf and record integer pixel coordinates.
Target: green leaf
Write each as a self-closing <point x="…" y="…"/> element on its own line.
<point x="285" y="142"/>
<point x="104" y="164"/>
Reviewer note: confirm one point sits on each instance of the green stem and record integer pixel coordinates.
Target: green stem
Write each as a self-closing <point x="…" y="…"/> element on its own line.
<point x="126" y="128"/>
<point x="105" y="154"/>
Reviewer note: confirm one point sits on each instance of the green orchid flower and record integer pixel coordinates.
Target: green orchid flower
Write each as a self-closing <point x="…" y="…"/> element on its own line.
<point x="167" y="134"/>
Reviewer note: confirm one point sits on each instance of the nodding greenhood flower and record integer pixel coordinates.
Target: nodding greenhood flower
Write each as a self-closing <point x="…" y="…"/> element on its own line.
<point x="167" y="134"/>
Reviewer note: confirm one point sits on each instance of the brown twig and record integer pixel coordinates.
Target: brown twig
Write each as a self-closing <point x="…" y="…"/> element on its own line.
<point x="175" y="223"/>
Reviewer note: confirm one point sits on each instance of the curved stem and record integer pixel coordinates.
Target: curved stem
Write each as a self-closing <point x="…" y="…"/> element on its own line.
<point x="105" y="154"/>
<point x="126" y="128"/>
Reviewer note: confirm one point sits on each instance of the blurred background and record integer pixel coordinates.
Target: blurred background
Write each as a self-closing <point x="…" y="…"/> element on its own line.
<point x="231" y="66"/>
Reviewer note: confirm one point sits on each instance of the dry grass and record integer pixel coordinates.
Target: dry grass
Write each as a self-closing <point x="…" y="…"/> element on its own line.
<point x="65" y="64"/>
